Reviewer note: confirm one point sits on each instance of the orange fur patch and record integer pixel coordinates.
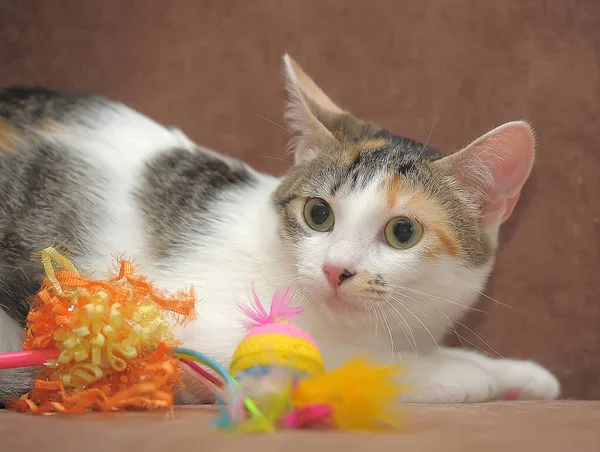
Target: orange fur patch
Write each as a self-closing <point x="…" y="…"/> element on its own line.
<point x="447" y="243"/>
<point x="433" y="252"/>
<point x="365" y="146"/>
<point x="393" y="185"/>
<point x="354" y="155"/>
<point x="7" y="137"/>
<point x="373" y="145"/>
<point x="426" y="210"/>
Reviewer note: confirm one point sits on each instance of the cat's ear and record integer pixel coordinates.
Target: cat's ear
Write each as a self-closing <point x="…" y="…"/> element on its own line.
<point x="309" y="112"/>
<point x="494" y="169"/>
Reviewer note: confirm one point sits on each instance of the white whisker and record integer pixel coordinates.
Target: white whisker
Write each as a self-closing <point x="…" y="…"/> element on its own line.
<point x="451" y="319"/>
<point x="453" y="329"/>
<point x="418" y="319"/>
<point x="390" y="334"/>
<point x="405" y="327"/>
<point x="283" y="128"/>
<point x="436" y="297"/>
<point x="435" y="120"/>
<point x="275" y="158"/>
<point x="465" y="282"/>
<point x="494" y="300"/>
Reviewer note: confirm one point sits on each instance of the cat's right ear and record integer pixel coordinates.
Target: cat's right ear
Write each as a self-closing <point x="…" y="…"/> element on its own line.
<point x="494" y="169"/>
<point x="308" y="111"/>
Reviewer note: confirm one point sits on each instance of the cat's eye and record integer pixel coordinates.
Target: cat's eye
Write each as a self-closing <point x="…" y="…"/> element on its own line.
<point x="318" y="215"/>
<point x="403" y="233"/>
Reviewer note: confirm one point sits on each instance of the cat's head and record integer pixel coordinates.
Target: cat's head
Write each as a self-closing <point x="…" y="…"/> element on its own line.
<point x="380" y="224"/>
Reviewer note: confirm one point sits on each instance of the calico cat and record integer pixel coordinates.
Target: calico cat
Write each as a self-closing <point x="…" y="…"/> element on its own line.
<point x="385" y="242"/>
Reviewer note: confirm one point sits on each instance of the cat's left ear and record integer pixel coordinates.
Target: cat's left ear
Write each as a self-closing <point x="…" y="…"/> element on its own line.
<point x="310" y="113"/>
<point x="494" y="169"/>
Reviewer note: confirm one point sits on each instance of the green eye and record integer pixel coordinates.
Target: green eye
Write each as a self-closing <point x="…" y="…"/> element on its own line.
<point x="318" y="215"/>
<point x="403" y="233"/>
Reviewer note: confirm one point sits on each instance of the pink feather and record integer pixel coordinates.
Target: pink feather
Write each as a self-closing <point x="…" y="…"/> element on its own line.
<point x="308" y="416"/>
<point x="280" y="309"/>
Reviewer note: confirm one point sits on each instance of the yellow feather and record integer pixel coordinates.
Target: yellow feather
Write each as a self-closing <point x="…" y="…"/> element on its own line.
<point x="363" y="396"/>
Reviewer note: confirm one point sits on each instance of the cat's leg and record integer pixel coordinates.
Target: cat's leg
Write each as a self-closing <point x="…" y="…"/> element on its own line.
<point x="13" y="382"/>
<point x="514" y="378"/>
<point x="457" y="375"/>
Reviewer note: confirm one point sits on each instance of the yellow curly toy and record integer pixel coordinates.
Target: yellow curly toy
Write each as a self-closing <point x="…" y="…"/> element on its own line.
<point x="112" y="337"/>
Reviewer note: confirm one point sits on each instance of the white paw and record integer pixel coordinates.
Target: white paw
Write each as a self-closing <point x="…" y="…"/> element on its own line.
<point x="462" y="377"/>
<point x="451" y="393"/>
<point x="524" y="380"/>
<point x="452" y="382"/>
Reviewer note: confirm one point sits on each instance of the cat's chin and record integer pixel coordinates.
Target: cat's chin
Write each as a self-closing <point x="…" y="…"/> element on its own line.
<point x="339" y="304"/>
<point x="345" y="305"/>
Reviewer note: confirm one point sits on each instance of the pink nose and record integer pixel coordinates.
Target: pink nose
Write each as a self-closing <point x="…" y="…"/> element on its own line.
<point x="336" y="275"/>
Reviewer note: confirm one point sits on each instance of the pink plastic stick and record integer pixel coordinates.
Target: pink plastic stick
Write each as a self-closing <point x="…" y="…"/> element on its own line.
<point x="26" y="358"/>
<point x="204" y="373"/>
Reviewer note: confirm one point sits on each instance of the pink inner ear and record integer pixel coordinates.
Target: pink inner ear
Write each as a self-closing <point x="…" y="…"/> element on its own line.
<point x="510" y="205"/>
<point x="497" y="165"/>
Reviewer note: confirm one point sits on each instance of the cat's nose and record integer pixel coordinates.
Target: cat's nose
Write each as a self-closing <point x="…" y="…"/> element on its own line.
<point x="337" y="275"/>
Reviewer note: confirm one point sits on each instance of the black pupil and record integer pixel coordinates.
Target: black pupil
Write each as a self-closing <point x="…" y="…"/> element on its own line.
<point x="319" y="213"/>
<point x="403" y="230"/>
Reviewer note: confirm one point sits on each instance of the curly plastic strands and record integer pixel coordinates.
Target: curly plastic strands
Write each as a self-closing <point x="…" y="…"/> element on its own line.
<point x="112" y="336"/>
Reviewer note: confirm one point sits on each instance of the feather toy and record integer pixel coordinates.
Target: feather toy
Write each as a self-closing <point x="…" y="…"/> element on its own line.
<point x="278" y="367"/>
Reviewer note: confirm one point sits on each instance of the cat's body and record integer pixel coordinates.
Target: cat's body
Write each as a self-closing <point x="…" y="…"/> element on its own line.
<point x="110" y="181"/>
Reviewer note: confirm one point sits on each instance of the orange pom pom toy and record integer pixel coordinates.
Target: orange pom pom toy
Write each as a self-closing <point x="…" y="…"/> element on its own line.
<point x="108" y="341"/>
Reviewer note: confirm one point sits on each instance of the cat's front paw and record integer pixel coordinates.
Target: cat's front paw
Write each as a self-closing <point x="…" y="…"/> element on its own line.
<point x="523" y="380"/>
<point x="460" y="376"/>
<point x="451" y="382"/>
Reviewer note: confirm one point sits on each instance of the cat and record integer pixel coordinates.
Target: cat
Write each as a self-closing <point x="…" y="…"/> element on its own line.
<point x="385" y="241"/>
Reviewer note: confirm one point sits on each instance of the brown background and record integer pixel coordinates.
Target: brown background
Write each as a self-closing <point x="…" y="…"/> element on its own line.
<point x="212" y="68"/>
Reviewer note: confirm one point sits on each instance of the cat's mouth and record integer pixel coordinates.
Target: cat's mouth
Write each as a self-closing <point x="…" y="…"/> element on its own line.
<point x="347" y="298"/>
<point x="341" y="304"/>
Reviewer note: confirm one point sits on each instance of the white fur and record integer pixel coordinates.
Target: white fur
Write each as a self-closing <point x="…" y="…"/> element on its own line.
<point x="11" y="334"/>
<point x="11" y="339"/>
<point x="246" y="251"/>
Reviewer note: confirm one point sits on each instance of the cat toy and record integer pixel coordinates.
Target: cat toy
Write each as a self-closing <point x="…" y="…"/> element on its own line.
<point x="100" y="344"/>
<point x="279" y="380"/>
<point x="107" y="345"/>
